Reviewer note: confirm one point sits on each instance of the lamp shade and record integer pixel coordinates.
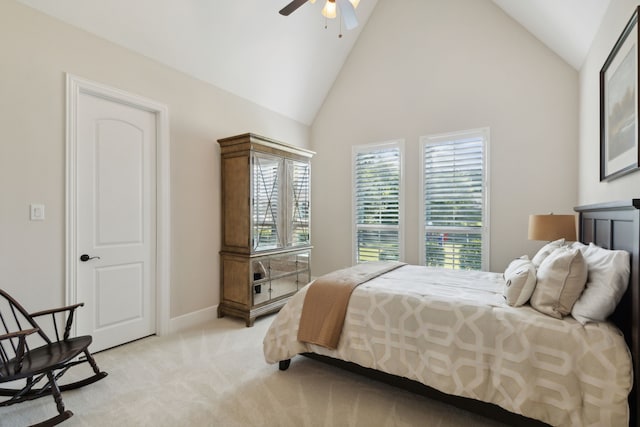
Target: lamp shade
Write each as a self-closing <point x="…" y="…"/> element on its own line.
<point x="329" y="9"/>
<point x="552" y="227"/>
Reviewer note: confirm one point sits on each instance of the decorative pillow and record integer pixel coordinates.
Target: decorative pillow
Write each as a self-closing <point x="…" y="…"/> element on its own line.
<point x="607" y="282"/>
<point x="561" y="279"/>
<point x="545" y="251"/>
<point x="520" y="280"/>
<point x="578" y="245"/>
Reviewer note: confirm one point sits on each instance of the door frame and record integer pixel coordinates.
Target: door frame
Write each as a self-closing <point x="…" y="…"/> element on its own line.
<point x="75" y="86"/>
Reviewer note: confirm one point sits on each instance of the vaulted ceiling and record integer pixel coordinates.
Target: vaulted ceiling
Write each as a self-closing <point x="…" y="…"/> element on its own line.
<point x="286" y="64"/>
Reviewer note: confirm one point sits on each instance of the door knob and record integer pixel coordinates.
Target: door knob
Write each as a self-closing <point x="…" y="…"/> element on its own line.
<point x="85" y="257"/>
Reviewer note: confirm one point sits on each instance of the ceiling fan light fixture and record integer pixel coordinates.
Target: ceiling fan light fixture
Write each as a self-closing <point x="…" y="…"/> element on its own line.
<point x="329" y="9"/>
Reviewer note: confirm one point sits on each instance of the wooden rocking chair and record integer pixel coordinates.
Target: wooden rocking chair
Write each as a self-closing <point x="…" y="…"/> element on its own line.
<point x="31" y="363"/>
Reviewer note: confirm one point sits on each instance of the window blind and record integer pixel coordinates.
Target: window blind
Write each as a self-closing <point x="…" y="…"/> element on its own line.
<point x="454" y="202"/>
<point x="377" y="204"/>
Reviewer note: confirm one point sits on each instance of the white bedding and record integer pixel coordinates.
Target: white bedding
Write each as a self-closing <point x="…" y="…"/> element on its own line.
<point x="452" y="331"/>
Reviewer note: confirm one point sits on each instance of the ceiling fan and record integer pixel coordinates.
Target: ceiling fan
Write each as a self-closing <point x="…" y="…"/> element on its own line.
<point x="347" y="9"/>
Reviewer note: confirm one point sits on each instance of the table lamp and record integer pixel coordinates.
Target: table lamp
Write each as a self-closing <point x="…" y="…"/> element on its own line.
<point x="552" y="227"/>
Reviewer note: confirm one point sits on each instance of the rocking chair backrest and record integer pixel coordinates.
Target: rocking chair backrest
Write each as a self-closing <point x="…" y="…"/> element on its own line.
<point x="14" y="318"/>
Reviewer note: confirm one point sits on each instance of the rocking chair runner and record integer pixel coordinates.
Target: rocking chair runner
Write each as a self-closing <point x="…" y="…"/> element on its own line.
<point x="32" y="363"/>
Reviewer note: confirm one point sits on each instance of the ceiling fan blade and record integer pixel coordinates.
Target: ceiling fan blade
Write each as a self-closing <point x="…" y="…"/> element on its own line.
<point x="348" y="13"/>
<point x="291" y="7"/>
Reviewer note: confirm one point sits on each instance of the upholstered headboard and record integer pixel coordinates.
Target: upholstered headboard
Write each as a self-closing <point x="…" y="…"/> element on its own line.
<point x="616" y="225"/>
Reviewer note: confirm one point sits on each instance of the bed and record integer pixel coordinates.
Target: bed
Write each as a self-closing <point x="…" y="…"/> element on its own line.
<point x="462" y="343"/>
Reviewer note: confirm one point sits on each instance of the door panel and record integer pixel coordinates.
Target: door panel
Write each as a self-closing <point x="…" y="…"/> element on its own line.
<point x="113" y="282"/>
<point x="120" y="148"/>
<point x="115" y="221"/>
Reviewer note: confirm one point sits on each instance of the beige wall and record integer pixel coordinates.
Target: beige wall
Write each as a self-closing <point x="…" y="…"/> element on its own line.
<point x="591" y="190"/>
<point x="420" y="67"/>
<point x="424" y="67"/>
<point x="35" y="53"/>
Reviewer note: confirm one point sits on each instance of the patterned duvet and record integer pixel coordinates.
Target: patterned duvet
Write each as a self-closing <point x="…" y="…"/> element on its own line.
<point x="452" y="331"/>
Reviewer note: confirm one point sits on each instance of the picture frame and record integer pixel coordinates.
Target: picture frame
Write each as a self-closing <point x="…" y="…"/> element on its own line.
<point x="619" y="105"/>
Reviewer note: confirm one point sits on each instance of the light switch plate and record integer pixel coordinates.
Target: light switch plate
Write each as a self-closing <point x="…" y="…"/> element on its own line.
<point x="37" y="212"/>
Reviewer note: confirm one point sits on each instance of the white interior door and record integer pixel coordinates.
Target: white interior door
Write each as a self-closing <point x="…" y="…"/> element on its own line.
<point x="116" y="220"/>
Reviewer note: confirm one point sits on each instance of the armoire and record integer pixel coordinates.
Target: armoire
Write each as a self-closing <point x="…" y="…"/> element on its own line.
<point x="265" y="253"/>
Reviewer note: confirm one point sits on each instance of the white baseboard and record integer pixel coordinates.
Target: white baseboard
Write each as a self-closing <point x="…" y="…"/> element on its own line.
<point x="195" y="318"/>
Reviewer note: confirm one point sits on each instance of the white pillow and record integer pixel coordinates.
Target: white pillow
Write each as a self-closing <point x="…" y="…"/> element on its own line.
<point x="607" y="282"/>
<point x="520" y="281"/>
<point x="578" y="245"/>
<point x="545" y="251"/>
<point x="561" y="279"/>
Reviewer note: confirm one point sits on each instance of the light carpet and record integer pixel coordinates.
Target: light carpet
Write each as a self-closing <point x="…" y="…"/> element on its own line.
<point x="215" y="375"/>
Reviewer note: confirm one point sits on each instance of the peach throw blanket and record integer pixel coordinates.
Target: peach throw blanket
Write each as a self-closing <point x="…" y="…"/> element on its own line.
<point x="327" y="298"/>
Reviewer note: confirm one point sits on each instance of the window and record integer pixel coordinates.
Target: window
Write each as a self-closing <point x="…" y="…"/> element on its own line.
<point x="377" y="201"/>
<point x="455" y="196"/>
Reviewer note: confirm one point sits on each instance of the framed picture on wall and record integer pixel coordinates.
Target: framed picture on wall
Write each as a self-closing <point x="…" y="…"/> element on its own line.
<point x="619" y="105"/>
